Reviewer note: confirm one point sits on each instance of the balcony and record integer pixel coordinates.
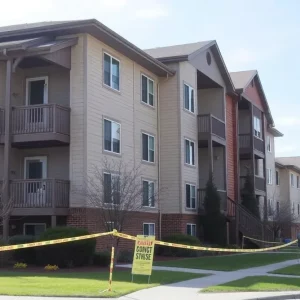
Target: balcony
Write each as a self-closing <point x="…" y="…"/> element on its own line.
<point x="1" y="125"/>
<point x="40" y="197"/>
<point x="211" y="126"/>
<point x="39" y="125"/>
<point x="259" y="184"/>
<point x="245" y="145"/>
<point x="201" y="197"/>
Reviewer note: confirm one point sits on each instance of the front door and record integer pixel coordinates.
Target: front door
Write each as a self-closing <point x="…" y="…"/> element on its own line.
<point x="35" y="170"/>
<point x="36" y="96"/>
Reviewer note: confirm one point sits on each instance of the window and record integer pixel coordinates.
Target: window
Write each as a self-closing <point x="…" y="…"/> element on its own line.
<point x="148" y="229"/>
<point x="298" y="209"/>
<point x="111" y="188"/>
<point x="148" y="193"/>
<point x="269" y="146"/>
<point x="110" y="226"/>
<point x="189" y="152"/>
<point x="189" y="98"/>
<point x="270" y="207"/>
<point x="292" y="180"/>
<point x="277" y="207"/>
<point x="191" y="229"/>
<point x="298" y="182"/>
<point x="190" y="195"/>
<point x="293" y="209"/>
<point x="257" y="127"/>
<point x="148" y="147"/>
<point x="277" y="177"/>
<point x="111" y="72"/>
<point x="112" y="136"/>
<point x="269" y="176"/>
<point x="147" y="90"/>
<point x="34" y="229"/>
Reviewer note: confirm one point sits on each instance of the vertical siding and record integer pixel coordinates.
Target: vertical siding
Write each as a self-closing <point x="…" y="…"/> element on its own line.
<point x="169" y="143"/>
<point x="78" y="122"/>
<point x="189" y="129"/>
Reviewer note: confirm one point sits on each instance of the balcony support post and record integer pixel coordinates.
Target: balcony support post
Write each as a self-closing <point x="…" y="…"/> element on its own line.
<point x="7" y="146"/>
<point x="53" y="221"/>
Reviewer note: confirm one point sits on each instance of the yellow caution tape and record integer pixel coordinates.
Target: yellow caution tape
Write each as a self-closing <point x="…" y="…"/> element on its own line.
<point x="253" y="239"/>
<point x="52" y="242"/>
<point x="199" y="248"/>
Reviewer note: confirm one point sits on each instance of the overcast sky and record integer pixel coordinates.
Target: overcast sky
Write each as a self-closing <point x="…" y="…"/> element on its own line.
<point x="257" y="34"/>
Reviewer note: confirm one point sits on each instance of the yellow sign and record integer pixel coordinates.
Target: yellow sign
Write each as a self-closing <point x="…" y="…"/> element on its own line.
<point x="143" y="255"/>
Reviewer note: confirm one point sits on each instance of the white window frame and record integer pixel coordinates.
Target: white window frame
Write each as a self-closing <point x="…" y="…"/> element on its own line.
<point x="33" y="224"/>
<point x="192" y="225"/>
<point x="269" y="144"/>
<point x="269" y="176"/>
<point x="31" y="79"/>
<point x="152" y="224"/>
<point x="112" y="190"/>
<point x="110" y="226"/>
<point x="191" y="158"/>
<point x="111" y="73"/>
<point x="277" y="176"/>
<point x="191" y="89"/>
<point x="111" y="121"/>
<point x="149" y="135"/>
<point x="292" y="180"/>
<point x="149" y="198"/>
<point x="189" y="185"/>
<point x="42" y="159"/>
<point x="148" y="90"/>
<point x="257" y="127"/>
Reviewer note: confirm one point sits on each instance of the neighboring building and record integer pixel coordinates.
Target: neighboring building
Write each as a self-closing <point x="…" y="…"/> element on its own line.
<point x="288" y="194"/>
<point x="75" y="93"/>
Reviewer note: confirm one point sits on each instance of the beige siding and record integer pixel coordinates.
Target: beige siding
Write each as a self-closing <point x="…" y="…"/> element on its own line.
<point x="170" y="163"/>
<point x="270" y="164"/>
<point x="78" y="122"/>
<point x="189" y="129"/>
<point x="124" y="107"/>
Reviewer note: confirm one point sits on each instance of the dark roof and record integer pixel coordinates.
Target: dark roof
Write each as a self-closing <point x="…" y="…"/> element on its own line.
<point x="184" y="52"/>
<point x="91" y="26"/>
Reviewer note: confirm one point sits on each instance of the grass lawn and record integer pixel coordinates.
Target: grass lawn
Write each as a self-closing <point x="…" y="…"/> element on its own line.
<point x="292" y="270"/>
<point x="82" y="284"/>
<point x="257" y="283"/>
<point x="230" y="262"/>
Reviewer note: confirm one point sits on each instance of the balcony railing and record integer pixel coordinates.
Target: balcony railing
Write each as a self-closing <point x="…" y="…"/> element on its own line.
<point x="45" y="118"/>
<point x="259" y="183"/>
<point x="44" y="193"/>
<point x="201" y="197"/>
<point x="245" y="142"/>
<point x="210" y="124"/>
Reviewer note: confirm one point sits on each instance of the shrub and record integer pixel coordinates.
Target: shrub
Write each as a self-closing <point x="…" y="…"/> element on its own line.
<point x="101" y="259"/>
<point x="20" y="266"/>
<point x="125" y="256"/>
<point x="71" y="254"/>
<point x="26" y="255"/>
<point x="178" y="252"/>
<point x="51" y="268"/>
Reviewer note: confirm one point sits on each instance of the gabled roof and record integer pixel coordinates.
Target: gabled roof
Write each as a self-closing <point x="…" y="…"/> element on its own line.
<point x="242" y="80"/>
<point x="186" y="52"/>
<point x="287" y="161"/>
<point x="91" y="26"/>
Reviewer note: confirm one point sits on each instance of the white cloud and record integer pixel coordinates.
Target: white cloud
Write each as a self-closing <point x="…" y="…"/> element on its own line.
<point x="288" y="121"/>
<point x="152" y="13"/>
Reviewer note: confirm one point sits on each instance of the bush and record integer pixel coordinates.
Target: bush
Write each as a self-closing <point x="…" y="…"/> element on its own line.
<point x="71" y="254"/>
<point x="125" y="256"/>
<point x="178" y="252"/>
<point x="26" y="255"/>
<point x="101" y="259"/>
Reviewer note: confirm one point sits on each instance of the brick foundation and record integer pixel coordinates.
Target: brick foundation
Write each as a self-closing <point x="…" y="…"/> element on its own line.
<point x="90" y="219"/>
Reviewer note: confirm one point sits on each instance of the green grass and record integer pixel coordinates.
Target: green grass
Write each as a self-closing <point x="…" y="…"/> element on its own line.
<point x="292" y="270"/>
<point x="83" y="284"/>
<point x="230" y="262"/>
<point x="257" y="284"/>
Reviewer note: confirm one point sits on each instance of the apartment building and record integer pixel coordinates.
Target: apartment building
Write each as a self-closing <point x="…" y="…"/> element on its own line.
<point x="287" y="198"/>
<point x="75" y="93"/>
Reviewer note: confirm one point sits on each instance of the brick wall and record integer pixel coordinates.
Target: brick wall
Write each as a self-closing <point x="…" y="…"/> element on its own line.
<point x="231" y="138"/>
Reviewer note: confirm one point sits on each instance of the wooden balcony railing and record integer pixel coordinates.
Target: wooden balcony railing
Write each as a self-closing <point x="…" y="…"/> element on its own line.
<point x="259" y="144"/>
<point x="1" y="121"/>
<point x="210" y="124"/>
<point x="45" y="118"/>
<point x="259" y="183"/>
<point x="201" y="197"/>
<point x="44" y="193"/>
<point x="245" y="142"/>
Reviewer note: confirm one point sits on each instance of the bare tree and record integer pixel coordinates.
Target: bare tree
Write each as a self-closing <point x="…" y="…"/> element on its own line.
<point x="6" y="207"/>
<point x="281" y="215"/>
<point x="118" y="191"/>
